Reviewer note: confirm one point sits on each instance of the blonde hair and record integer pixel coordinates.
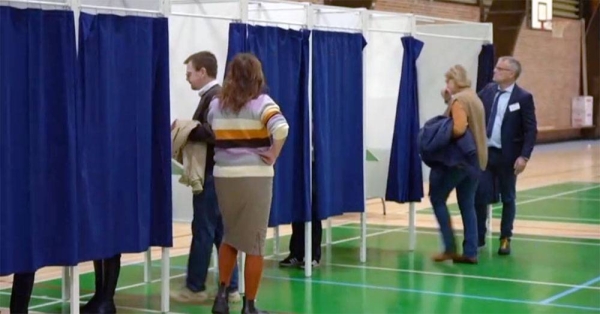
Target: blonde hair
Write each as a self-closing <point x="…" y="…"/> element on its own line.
<point x="458" y="74"/>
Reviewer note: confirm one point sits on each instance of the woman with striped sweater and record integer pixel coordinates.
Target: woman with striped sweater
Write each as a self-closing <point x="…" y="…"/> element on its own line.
<point x="249" y="132"/>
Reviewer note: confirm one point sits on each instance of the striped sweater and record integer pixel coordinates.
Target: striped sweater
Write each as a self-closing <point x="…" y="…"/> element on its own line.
<point x="240" y="137"/>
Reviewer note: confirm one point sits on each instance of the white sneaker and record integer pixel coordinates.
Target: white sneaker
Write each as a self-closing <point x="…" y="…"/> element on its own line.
<point x="315" y="264"/>
<point x="186" y="295"/>
<point x="235" y="297"/>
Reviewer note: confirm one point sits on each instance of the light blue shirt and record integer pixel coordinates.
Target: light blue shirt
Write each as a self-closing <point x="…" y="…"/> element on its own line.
<point x="496" y="139"/>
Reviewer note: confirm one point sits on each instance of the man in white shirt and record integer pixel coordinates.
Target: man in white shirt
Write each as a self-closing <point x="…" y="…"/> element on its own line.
<point x="207" y="224"/>
<point x="512" y="130"/>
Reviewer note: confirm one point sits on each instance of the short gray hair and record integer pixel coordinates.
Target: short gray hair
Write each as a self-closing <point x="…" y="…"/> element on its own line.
<point x="514" y="63"/>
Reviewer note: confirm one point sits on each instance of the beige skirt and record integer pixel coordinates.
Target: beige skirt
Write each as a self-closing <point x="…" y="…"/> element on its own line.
<point x="245" y="205"/>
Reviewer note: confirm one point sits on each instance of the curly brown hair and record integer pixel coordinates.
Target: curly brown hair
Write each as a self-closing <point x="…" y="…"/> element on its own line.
<point x="244" y="81"/>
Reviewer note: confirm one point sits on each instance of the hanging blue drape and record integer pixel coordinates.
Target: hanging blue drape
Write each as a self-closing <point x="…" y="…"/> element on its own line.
<point x="337" y="106"/>
<point x="238" y="40"/>
<point x="38" y="210"/>
<point x="485" y="67"/>
<point x="405" y="177"/>
<point x="124" y="135"/>
<point x="284" y="57"/>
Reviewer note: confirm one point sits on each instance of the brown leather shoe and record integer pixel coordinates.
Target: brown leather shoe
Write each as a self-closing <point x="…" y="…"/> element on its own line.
<point x="464" y="260"/>
<point x="445" y="256"/>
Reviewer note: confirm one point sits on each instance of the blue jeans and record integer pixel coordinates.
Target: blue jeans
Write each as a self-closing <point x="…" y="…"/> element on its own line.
<point x="441" y="182"/>
<point x="499" y="176"/>
<point x="207" y="229"/>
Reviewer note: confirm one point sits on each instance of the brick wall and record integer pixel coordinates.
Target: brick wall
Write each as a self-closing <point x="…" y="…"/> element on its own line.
<point x="551" y="65"/>
<point x="551" y="71"/>
<point x="430" y="8"/>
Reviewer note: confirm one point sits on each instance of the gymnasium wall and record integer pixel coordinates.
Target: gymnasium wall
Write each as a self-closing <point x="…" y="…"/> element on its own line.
<point x="551" y="71"/>
<point x="430" y="8"/>
<point x="553" y="82"/>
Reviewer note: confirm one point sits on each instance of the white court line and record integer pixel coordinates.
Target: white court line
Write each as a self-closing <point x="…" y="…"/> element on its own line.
<point x="343" y="224"/>
<point x="548" y="218"/>
<point x="537" y="199"/>
<point x="184" y="274"/>
<point x="532" y="282"/>
<point x="514" y="238"/>
<point x="567" y="198"/>
<point x="554" y="195"/>
<point x="556" y="218"/>
<point x="541" y="198"/>
<point x="57" y="301"/>
<point x="130" y="263"/>
<point x="585" y="285"/>
<point x="385" y="231"/>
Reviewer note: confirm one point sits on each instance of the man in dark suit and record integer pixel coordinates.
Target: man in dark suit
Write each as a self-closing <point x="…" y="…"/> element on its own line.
<point x="511" y="131"/>
<point x="207" y="224"/>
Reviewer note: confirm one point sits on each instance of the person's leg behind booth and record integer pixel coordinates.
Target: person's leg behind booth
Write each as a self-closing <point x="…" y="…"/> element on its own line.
<point x="106" y="272"/>
<point x="296" y="256"/>
<point x="317" y="238"/>
<point x="20" y="296"/>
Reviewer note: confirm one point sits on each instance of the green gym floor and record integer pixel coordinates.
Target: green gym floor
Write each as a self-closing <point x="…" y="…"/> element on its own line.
<point x="543" y="275"/>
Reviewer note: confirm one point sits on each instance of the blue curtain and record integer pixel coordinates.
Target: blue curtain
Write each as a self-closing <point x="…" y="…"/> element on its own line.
<point x="238" y="40"/>
<point x="337" y="95"/>
<point x="485" y="67"/>
<point x="38" y="212"/>
<point x="124" y="135"/>
<point x="405" y="177"/>
<point x="284" y="57"/>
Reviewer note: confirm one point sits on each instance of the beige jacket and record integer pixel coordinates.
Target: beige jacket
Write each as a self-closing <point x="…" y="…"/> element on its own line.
<point x="191" y="155"/>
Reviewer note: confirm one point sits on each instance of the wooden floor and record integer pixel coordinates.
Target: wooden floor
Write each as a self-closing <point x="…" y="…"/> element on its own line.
<point x="551" y="164"/>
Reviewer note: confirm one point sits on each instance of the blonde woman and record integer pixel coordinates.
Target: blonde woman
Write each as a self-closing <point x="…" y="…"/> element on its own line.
<point x="249" y="131"/>
<point x="467" y="114"/>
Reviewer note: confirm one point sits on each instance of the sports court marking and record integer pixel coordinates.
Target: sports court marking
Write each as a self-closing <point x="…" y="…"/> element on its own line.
<point x="421" y="231"/>
<point x="546" y="302"/>
<point x="422" y="272"/>
<point x="380" y="231"/>
<point x="212" y="269"/>
<point x="537" y="198"/>
<point x="574" y="288"/>
<point x="565" y="198"/>
<point x="436" y="293"/>
<point x="584" y="285"/>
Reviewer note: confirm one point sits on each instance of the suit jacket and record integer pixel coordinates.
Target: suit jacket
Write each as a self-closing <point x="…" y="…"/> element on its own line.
<point x="203" y="132"/>
<point x="519" y="127"/>
<point x="439" y="150"/>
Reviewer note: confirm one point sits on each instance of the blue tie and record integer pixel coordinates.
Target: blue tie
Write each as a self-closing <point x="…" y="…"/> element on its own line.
<point x="493" y="114"/>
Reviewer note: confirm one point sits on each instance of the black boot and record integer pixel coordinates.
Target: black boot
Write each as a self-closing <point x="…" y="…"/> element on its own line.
<point x="104" y="303"/>
<point x="221" y="304"/>
<point x="250" y="308"/>
<point x="21" y="292"/>
<point x="112" y="268"/>
<point x="92" y="304"/>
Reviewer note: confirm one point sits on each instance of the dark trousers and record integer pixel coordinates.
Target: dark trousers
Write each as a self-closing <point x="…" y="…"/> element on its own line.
<point x="442" y="181"/>
<point x="499" y="176"/>
<point x="297" y="240"/>
<point x="207" y="230"/>
<point x="21" y="292"/>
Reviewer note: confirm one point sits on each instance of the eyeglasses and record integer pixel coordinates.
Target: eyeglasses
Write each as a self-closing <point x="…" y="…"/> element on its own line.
<point x="503" y="69"/>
